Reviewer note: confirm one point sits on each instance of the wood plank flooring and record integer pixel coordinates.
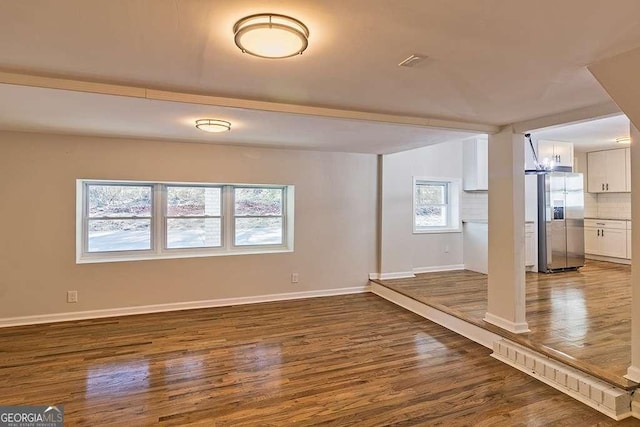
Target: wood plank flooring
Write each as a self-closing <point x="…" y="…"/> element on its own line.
<point x="344" y="360"/>
<point x="582" y="318"/>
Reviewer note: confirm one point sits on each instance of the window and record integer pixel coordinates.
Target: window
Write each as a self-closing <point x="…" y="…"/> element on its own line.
<point x="194" y="217"/>
<point x="435" y="205"/>
<point x="119" y="217"/>
<point x="258" y="216"/>
<point x="119" y="221"/>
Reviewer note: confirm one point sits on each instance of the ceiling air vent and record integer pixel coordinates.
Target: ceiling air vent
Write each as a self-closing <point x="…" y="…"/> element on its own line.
<point x="412" y="61"/>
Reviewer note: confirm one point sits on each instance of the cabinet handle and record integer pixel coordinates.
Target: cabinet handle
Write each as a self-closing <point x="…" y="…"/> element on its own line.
<point x="607" y="186"/>
<point x="602" y="187"/>
<point x="602" y="234"/>
<point x="598" y="233"/>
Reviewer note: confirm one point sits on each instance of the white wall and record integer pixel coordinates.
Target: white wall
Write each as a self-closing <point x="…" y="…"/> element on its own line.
<point x="335" y="223"/>
<point x="403" y="251"/>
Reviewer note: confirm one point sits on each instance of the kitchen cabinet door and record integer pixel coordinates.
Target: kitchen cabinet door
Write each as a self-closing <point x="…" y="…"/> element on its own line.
<point x="592" y="241"/>
<point x="613" y="243"/>
<point x="545" y="151"/>
<point x="627" y="157"/>
<point x="475" y="162"/>
<point x="596" y="171"/>
<point x="563" y="153"/>
<point x="529" y="246"/>
<point x="606" y="171"/>
<point x="616" y="171"/>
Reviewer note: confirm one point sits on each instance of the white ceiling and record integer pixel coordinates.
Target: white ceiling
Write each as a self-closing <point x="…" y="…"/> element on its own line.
<point x="589" y="136"/>
<point x="48" y="110"/>
<point x="490" y="61"/>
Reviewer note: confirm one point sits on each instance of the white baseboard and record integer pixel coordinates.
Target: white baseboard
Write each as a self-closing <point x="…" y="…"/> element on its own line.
<point x="144" y="309"/>
<point x="388" y="276"/>
<point x="507" y="325"/>
<point x="436" y="268"/>
<point x="466" y="329"/>
<point x="608" y="259"/>
<point x="412" y="273"/>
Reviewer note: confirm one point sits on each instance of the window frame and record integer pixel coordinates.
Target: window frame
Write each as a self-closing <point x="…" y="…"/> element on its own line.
<point x="233" y="222"/>
<point x="165" y="218"/>
<point x="159" y="222"/>
<point x="454" y="224"/>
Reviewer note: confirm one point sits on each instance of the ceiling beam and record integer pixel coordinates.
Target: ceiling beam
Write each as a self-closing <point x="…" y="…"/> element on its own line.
<point x="190" y="98"/>
<point x="578" y="115"/>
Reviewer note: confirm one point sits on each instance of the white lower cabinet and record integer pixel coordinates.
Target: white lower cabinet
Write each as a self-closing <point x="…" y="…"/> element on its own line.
<point x="606" y="238"/>
<point x="529" y="245"/>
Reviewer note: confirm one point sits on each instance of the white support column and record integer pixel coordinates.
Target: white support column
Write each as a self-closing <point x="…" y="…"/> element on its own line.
<point x="633" y="372"/>
<point x="506" y="306"/>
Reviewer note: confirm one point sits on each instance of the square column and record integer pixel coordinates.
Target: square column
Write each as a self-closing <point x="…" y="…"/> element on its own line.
<point x="633" y="372"/>
<point x="506" y="305"/>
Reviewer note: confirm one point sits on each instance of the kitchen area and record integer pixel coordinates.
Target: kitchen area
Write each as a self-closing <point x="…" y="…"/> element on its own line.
<point x="594" y="210"/>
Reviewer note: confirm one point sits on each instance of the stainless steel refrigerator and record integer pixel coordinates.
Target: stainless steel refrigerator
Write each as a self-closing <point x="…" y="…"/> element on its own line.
<point x="560" y="221"/>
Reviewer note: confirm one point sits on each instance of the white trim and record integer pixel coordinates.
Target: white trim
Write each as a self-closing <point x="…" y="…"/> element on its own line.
<point x="396" y="275"/>
<point x="158" y="221"/>
<point x="608" y="259"/>
<point x="599" y="395"/>
<point x="633" y="374"/>
<point x="579" y="115"/>
<point x="635" y="406"/>
<point x="23" y="79"/>
<point x="454" y="191"/>
<point x="189" y="305"/>
<point x="417" y="270"/>
<point x="459" y="326"/>
<point x="437" y="268"/>
<point x="507" y="325"/>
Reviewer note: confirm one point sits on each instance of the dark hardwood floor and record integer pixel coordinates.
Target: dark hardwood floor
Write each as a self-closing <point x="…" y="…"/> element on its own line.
<point x="582" y="318"/>
<point x="344" y="360"/>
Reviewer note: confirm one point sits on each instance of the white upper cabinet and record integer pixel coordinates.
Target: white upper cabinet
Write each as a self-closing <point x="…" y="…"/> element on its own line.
<point x="475" y="164"/>
<point x="560" y="153"/>
<point x="607" y="171"/>
<point x="627" y="157"/>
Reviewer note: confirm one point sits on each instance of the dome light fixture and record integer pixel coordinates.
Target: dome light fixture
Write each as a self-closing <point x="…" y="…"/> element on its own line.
<point x="623" y="140"/>
<point x="269" y="35"/>
<point x="213" y="125"/>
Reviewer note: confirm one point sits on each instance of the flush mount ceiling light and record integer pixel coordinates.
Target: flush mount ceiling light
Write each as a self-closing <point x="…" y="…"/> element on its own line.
<point x="269" y="35"/>
<point x="213" y="125"/>
<point x="623" y="140"/>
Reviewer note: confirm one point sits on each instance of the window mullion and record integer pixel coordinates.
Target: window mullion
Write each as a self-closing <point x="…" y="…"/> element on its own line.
<point x="159" y="217"/>
<point x="228" y="217"/>
<point x="85" y="218"/>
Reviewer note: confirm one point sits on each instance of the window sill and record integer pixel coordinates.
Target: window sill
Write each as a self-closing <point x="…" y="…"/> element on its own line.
<point x="94" y="259"/>
<point x="438" y="231"/>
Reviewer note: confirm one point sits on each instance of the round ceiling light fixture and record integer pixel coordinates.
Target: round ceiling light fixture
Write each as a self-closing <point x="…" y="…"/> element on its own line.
<point x="213" y="125"/>
<point x="269" y="35"/>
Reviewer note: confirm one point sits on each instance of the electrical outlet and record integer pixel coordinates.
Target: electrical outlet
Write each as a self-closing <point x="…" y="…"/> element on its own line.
<point x="72" y="296"/>
<point x="294" y="278"/>
<point x="446" y="249"/>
